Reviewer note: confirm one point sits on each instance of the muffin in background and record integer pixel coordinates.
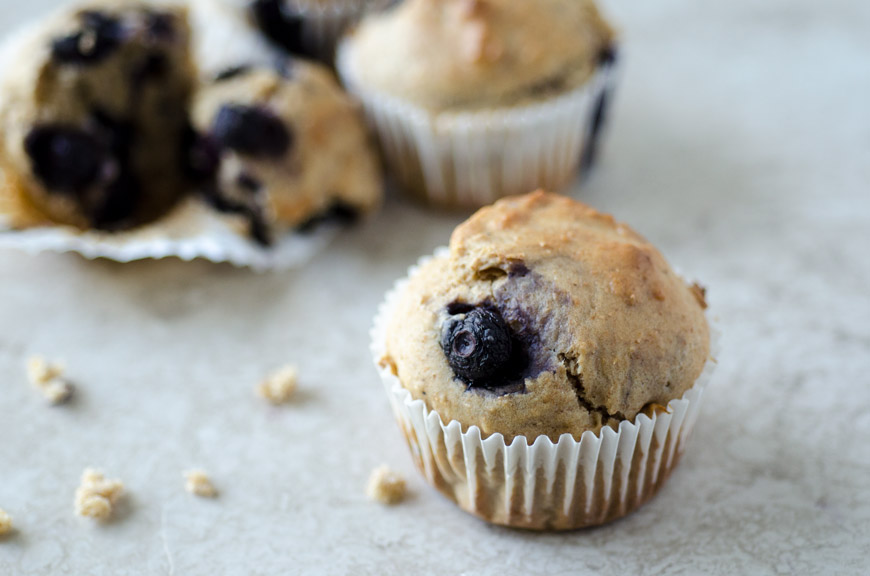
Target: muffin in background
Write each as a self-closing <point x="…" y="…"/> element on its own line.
<point x="288" y="146"/>
<point x="93" y="110"/>
<point x="478" y="99"/>
<point x="547" y="369"/>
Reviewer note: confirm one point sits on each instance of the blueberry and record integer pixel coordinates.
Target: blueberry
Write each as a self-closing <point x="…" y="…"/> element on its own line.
<point x="65" y="159"/>
<point x="251" y="131"/>
<point x="99" y="37"/>
<point x="478" y="347"/>
<point x="280" y="26"/>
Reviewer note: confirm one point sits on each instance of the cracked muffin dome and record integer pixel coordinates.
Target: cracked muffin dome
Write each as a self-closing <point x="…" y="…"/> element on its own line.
<point x="290" y="146"/>
<point x="446" y="54"/>
<point x="94" y="114"/>
<point x="546" y="318"/>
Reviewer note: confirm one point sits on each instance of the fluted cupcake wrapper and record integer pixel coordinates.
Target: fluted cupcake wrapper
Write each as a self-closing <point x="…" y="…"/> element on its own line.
<point x="191" y="231"/>
<point x="564" y="485"/>
<point x="471" y="159"/>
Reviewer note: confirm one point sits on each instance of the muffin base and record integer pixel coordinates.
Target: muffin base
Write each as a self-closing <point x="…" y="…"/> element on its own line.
<point x="564" y="485"/>
<point x="471" y="159"/>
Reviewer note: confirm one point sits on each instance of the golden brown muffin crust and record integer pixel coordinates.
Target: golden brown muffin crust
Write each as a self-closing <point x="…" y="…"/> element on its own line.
<point x="443" y="54"/>
<point x="609" y="329"/>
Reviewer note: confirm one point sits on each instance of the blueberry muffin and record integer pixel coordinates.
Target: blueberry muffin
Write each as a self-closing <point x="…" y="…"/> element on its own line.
<point x="545" y="322"/>
<point x="490" y="97"/>
<point x="94" y="111"/>
<point x="289" y="146"/>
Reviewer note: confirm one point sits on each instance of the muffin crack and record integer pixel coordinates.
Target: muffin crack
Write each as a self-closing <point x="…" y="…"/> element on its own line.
<point x="575" y="377"/>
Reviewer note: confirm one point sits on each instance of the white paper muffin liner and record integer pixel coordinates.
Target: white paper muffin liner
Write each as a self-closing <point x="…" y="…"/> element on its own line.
<point x="471" y="159"/>
<point x="545" y="485"/>
<point x="191" y="231"/>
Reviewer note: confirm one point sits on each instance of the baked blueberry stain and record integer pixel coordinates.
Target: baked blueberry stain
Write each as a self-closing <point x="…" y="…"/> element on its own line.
<point x="482" y="349"/>
<point x="201" y="156"/>
<point x="280" y="25"/>
<point x="160" y="27"/>
<point x="258" y="228"/>
<point x="99" y="37"/>
<point x="252" y="131"/>
<point x="248" y="183"/>
<point x="122" y="192"/>
<point x="282" y="66"/>
<point x="338" y="213"/>
<point x="232" y="72"/>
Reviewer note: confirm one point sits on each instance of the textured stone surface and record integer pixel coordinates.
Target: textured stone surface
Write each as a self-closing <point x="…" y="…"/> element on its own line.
<point x="740" y="147"/>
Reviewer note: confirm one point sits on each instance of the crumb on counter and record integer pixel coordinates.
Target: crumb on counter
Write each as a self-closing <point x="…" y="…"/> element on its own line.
<point x="279" y="386"/>
<point x="96" y="496"/>
<point x="198" y="483"/>
<point x="5" y="523"/>
<point x="48" y="379"/>
<point x="386" y="486"/>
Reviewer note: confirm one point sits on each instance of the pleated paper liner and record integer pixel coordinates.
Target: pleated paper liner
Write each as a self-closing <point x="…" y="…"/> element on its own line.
<point x="471" y="159"/>
<point x="565" y="485"/>
<point x="191" y="231"/>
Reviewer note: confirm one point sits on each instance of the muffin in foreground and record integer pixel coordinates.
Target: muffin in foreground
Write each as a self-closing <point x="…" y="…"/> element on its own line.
<point x="94" y="116"/>
<point x="290" y="148"/>
<point x="478" y="99"/>
<point x="546" y="369"/>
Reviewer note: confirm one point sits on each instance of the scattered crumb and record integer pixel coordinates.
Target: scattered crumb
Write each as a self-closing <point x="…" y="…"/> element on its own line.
<point x="279" y="386"/>
<point x="96" y="496"/>
<point x="198" y="483"/>
<point x="386" y="486"/>
<point x="48" y="379"/>
<point x="5" y="523"/>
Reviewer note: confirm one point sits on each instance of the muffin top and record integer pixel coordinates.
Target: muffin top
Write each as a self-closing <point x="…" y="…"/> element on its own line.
<point x="546" y="317"/>
<point x="292" y="146"/>
<point x="445" y="54"/>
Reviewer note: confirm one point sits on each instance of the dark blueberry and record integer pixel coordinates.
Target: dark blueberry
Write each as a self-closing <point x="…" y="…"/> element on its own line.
<point x="160" y="26"/>
<point x="478" y="347"/>
<point x="65" y="159"/>
<point x="280" y="25"/>
<point x="232" y="72"/>
<point x="251" y="131"/>
<point x="98" y="39"/>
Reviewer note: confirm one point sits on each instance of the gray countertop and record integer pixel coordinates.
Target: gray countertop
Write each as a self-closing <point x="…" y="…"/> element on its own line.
<point x="740" y="145"/>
